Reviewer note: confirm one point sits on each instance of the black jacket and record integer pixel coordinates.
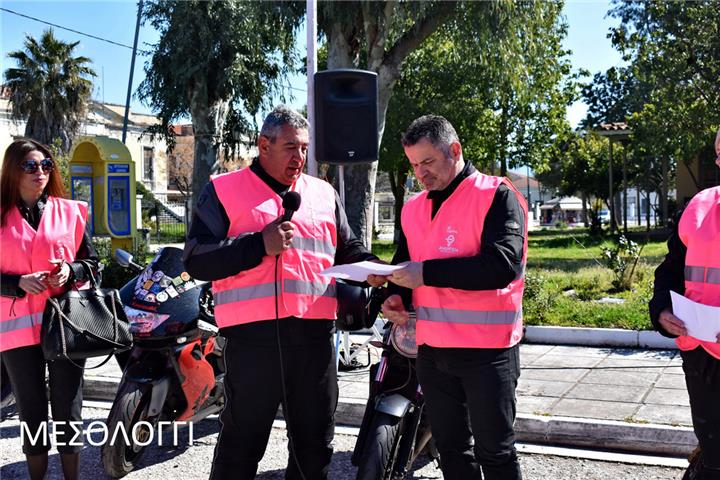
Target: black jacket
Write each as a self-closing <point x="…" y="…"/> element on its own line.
<point x="501" y="247"/>
<point x="210" y="255"/>
<point x="669" y="276"/>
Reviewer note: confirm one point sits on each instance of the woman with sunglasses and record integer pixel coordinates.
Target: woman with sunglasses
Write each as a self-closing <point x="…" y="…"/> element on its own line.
<point x="45" y="250"/>
<point x="692" y="268"/>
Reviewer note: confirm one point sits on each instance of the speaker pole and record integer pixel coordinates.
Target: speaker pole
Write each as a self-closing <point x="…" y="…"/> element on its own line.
<point x="341" y="183"/>
<point x="311" y="29"/>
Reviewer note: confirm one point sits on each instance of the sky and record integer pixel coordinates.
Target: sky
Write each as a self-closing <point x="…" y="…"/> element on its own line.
<point x="115" y="21"/>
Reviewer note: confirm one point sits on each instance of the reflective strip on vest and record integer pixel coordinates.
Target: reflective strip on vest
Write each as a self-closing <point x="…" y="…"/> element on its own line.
<point x="702" y="274"/>
<point x="713" y="276"/>
<point x="309" y="288"/>
<point x="476" y="317"/>
<point x="244" y="293"/>
<point x="314" y="245"/>
<point x="268" y="290"/>
<point x="18" y="323"/>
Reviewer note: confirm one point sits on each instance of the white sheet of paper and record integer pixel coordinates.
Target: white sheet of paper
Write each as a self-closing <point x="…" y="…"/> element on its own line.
<point x="360" y="270"/>
<point x="701" y="321"/>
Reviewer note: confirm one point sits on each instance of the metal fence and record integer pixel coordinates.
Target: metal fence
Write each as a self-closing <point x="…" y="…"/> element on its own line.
<point x="164" y="222"/>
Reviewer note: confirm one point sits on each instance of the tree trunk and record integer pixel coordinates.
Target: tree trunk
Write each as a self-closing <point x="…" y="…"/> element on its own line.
<point x="208" y="122"/>
<point x="397" y="185"/>
<point x="503" y="140"/>
<point x="664" y="187"/>
<point x="583" y="195"/>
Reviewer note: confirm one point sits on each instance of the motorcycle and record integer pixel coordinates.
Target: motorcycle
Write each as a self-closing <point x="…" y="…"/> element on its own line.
<point x="174" y="371"/>
<point x="395" y="429"/>
<point x="7" y="397"/>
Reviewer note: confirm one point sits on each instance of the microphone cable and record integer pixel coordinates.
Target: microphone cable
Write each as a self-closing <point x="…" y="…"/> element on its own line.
<point x="286" y="408"/>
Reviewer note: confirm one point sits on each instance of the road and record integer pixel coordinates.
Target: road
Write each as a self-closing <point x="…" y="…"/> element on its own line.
<point x="194" y="462"/>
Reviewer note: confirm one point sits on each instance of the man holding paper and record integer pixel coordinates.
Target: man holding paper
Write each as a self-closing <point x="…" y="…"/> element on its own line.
<point x="692" y="268"/>
<point x="465" y="239"/>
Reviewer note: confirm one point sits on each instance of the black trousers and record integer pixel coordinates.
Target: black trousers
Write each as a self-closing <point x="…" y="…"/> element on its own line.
<point x="254" y="391"/>
<point x="702" y="376"/>
<point x="26" y="369"/>
<point x="470" y="393"/>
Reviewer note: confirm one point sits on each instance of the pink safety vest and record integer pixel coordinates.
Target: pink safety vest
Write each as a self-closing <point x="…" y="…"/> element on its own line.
<point x="448" y="317"/>
<point x="699" y="230"/>
<point x="249" y="296"/>
<point x="25" y="250"/>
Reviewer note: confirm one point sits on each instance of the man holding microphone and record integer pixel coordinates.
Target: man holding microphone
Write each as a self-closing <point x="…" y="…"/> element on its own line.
<point x="262" y="235"/>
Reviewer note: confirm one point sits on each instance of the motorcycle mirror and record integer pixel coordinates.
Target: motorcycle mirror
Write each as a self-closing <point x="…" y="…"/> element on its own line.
<point x="123" y="258"/>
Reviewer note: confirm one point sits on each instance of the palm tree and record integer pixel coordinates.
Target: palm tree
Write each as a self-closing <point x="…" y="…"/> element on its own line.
<point x="49" y="88"/>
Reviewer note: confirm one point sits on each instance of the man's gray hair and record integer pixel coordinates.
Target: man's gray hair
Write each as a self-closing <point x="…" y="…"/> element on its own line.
<point x="282" y="115"/>
<point x="436" y="129"/>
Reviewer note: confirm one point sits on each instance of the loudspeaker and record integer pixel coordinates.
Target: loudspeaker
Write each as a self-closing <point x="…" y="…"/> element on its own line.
<point x="346" y="131"/>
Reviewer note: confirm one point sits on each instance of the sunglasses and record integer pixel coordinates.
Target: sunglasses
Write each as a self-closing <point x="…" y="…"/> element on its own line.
<point x="31" y="166"/>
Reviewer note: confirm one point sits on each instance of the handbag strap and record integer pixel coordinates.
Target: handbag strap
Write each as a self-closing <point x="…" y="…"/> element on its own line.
<point x="64" y="318"/>
<point x="89" y="368"/>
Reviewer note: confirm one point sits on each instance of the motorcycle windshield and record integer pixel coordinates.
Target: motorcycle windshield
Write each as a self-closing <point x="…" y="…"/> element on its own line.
<point x="163" y="299"/>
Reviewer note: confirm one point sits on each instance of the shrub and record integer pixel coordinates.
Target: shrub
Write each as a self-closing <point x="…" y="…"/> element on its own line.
<point x="113" y="275"/>
<point x="622" y="259"/>
<point x="537" y="299"/>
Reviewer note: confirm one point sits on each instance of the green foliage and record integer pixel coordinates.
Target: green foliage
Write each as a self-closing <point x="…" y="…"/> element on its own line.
<point x="113" y="275"/>
<point x="49" y="89"/>
<point x="669" y="93"/>
<point x="217" y="60"/>
<point x="622" y="260"/>
<point x="538" y="300"/>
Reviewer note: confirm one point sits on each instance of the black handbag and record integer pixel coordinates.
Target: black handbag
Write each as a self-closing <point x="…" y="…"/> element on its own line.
<point x="80" y="324"/>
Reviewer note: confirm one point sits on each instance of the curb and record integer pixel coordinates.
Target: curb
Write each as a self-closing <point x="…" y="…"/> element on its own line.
<point x="536" y="429"/>
<point x="598" y="337"/>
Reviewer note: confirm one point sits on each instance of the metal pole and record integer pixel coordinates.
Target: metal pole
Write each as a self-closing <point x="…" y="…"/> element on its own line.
<point x="624" y="198"/>
<point x="132" y="69"/>
<point x="612" y="200"/>
<point x="311" y="28"/>
<point x="529" y="201"/>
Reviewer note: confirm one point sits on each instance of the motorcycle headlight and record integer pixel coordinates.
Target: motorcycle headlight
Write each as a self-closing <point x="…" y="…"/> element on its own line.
<point x="402" y="338"/>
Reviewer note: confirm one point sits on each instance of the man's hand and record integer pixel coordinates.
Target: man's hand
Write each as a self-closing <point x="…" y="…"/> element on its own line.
<point x="394" y="310"/>
<point x="409" y="277"/>
<point x="377" y="280"/>
<point x="277" y="237"/>
<point x="59" y="275"/>
<point x="34" y="283"/>
<point x="673" y="324"/>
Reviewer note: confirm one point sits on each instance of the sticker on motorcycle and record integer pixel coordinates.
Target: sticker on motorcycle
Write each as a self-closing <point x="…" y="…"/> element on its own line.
<point x="161" y="297"/>
<point x="171" y="291"/>
<point x="157" y="276"/>
<point x="142" y="322"/>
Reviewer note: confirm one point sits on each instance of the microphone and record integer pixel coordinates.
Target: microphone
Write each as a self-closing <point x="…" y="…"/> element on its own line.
<point x="291" y="204"/>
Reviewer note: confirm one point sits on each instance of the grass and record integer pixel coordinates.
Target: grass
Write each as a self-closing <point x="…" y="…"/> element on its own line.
<point x="565" y="279"/>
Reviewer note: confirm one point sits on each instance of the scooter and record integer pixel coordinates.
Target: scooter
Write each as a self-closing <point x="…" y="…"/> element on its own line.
<point x="394" y="429"/>
<point x="175" y="370"/>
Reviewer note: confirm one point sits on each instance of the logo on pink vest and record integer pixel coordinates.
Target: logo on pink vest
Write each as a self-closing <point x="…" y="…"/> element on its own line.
<point x="449" y="239"/>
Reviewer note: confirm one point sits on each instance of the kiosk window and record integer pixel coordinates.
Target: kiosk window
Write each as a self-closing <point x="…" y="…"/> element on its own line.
<point x="119" y="205"/>
<point x="82" y="190"/>
<point x="148" y="163"/>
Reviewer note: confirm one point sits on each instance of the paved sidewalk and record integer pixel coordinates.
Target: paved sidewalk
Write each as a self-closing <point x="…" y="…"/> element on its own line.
<point x="614" y="398"/>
